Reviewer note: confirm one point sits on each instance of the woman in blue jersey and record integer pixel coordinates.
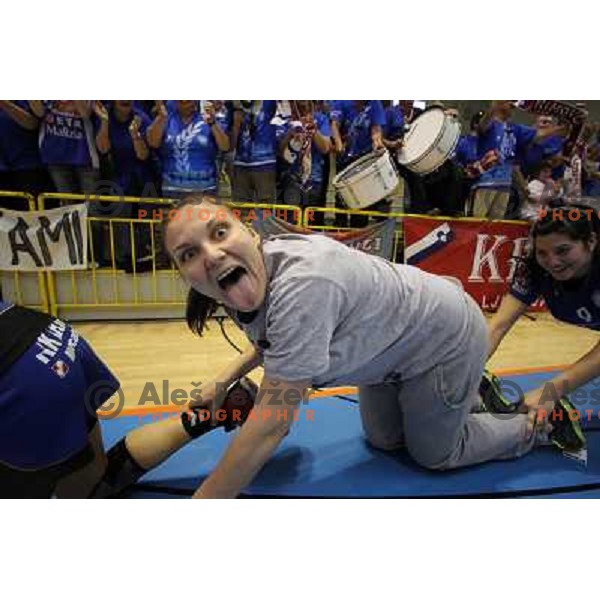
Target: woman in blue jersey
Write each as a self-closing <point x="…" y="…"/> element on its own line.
<point x="254" y="141"/>
<point x="563" y="268"/>
<point x="67" y="144"/>
<point x="189" y="141"/>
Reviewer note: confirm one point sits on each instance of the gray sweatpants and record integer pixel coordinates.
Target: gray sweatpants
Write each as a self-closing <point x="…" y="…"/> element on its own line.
<point x="432" y="414"/>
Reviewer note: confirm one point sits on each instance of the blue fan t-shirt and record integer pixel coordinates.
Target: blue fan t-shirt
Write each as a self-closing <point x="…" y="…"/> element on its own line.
<point x="189" y="155"/>
<point x="537" y="152"/>
<point x="257" y="140"/>
<point x="509" y="140"/>
<point x="66" y="138"/>
<point x="359" y="140"/>
<point x="131" y="172"/>
<point x="394" y="123"/>
<point x="467" y="150"/>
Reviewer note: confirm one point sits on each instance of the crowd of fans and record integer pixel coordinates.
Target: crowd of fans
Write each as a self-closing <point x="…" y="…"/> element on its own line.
<point x="271" y="150"/>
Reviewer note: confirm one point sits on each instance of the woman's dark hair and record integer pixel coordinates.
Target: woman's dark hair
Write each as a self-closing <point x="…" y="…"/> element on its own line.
<point x="199" y="308"/>
<point x="577" y="222"/>
<point x="539" y="167"/>
<point x="475" y="119"/>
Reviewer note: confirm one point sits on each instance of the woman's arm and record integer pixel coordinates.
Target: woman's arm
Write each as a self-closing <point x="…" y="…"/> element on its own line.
<point x="238" y="117"/>
<point x="506" y="316"/>
<point x="376" y="137"/>
<point x="84" y="108"/>
<point x="155" y="132"/>
<point x="142" y="152"/>
<point x="102" y="137"/>
<point x="242" y="365"/>
<point x="338" y="144"/>
<point x="37" y="108"/>
<point x="220" y="137"/>
<point x="540" y="136"/>
<point x="578" y="374"/>
<point x="540" y="402"/>
<point x="322" y="142"/>
<point x="210" y="118"/>
<point x="19" y="116"/>
<point x="273" y="415"/>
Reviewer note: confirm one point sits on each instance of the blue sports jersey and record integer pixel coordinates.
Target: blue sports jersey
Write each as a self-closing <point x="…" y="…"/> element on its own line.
<point x="189" y="155"/>
<point x="357" y="124"/>
<point x="576" y="302"/>
<point x="342" y="111"/>
<point x="467" y="150"/>
<point x="18" y="146"/>
<point x="131" y="172"/>
<point x="535" y="153"/>
<point x="66" y="138"/>
<point x="394" y="123"/>
<point x="317" y="159"/>
<point x="49" y="397"/>
<point x="257" y="140"/>
<point x="510" y="140"/>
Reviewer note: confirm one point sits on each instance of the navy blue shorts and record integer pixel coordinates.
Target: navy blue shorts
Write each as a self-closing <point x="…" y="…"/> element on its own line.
<point x="48" y="400"/>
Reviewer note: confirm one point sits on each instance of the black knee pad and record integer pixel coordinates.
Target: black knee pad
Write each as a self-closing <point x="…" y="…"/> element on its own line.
<point x="122" y="472"/>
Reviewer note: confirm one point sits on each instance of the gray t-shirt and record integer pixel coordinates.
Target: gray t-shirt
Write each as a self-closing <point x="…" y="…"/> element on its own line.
<point x="338" y="316"/>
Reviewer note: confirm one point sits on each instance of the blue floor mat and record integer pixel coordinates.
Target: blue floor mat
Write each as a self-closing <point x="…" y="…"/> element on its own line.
<point x="328" y="458"/>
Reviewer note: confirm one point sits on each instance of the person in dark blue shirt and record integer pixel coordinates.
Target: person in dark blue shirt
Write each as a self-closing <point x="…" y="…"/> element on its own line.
<point x="543" y="150"/>
<point x="67" y="144"/>
<point x="563" y="268"/>
<point x="393" y="130"/>
<point x="254" y="140"/>
<point x="356" y="129"/>
<point x="21" y="168"/>
<point x="510" y="140"/>
<point x="189" y="140"/>
<point x="121" y="141"/>
<point x="122" y="135"/>
<point x="52" y="384"/>
<point x="304" y="144"/>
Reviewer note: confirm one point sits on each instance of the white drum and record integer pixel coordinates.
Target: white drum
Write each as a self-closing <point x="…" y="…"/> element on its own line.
<point x="368" y="180"/>
<point x="429" y="142"/>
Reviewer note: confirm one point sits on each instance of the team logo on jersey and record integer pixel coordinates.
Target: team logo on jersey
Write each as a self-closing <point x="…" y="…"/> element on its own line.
<point x="61" y="368"/>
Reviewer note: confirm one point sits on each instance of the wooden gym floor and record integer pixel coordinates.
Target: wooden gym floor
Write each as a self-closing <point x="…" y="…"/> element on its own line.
<point x="144" y="354"/>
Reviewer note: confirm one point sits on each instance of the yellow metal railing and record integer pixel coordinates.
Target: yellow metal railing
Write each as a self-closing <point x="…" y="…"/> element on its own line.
<point x="118" y="280"/>
<point x="23" y="287"/>
<point x="102" y="285"/>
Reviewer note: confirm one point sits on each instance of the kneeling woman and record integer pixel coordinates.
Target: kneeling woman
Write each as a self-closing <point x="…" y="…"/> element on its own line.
<point x="563" y="268"/>
<point x="319" y="313"/>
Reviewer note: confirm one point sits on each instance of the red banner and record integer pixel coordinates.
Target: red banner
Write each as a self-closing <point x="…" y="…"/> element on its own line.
<point x="480" y="253"/>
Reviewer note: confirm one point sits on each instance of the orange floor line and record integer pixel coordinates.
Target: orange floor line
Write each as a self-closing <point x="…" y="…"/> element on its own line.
<point x="174" y="409"/>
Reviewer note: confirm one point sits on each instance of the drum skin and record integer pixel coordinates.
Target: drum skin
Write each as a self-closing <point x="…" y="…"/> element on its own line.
<point x="430" y="141"/>
<point x="368" y="180"/>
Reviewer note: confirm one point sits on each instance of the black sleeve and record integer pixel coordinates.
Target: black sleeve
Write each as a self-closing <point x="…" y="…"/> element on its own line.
<point x="19" y="328"/>
<point x="523" y="286"/>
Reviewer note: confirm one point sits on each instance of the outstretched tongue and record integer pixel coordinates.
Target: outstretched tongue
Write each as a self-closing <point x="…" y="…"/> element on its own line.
<point x="241" y="292"/>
